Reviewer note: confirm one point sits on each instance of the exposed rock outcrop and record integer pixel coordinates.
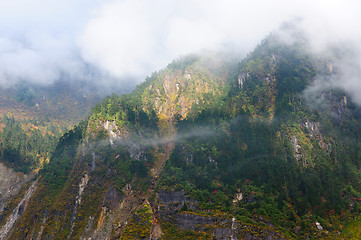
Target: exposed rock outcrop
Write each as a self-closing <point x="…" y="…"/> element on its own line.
<point x="19" y="209"/>
<point x="10" y="184"/>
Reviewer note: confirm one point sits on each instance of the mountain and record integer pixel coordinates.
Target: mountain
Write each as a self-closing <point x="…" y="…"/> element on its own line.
<point x="62" y="100"/>
<point x="207" y="148"/>
<point x="35" y="117"/>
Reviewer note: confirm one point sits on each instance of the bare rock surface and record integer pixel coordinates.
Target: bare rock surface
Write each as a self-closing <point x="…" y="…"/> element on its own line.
<point x="10" y="184"/>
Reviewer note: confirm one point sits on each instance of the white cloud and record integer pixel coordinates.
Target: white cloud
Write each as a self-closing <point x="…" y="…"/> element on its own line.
<point x="135" y="37"/>
<point x="42" y="39"/>
<point x="37" y="40"/>
<point x="119" y="40"/>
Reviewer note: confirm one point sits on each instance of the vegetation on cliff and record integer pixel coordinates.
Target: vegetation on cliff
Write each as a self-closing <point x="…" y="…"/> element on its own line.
<point x="240" y="142"/>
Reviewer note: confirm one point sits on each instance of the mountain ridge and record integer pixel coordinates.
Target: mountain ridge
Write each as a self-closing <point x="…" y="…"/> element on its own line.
<point x="204" y="151"/>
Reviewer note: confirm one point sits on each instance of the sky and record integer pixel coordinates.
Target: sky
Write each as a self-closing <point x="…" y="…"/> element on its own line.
<point x="123" y="41"/>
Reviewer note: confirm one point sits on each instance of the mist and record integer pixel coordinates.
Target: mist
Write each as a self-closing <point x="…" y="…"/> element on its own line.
<point x="345" y="75"/>
<point x="120" y="42"/>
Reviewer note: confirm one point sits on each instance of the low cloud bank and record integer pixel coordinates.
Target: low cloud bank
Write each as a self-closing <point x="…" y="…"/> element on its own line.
<point x="119" y="42"/>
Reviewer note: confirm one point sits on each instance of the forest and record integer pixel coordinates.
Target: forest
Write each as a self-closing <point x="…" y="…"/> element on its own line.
<point x="25" y="145"/>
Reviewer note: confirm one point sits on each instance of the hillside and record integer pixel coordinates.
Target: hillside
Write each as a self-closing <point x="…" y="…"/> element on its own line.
<point x="205" y="149"/>
<point x="62" y="100"/>
<point x="33" y="118"/>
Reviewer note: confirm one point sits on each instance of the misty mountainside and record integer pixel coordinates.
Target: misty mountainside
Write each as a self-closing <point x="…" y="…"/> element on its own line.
<point x="206" y="148"/>
<point x="34" y="117"/>
<point x="62" y="100"/>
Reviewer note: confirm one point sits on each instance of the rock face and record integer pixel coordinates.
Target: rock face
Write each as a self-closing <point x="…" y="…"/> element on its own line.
<point x="82" y="185"/>
<point x="112" y="199"/>
<point x="10" y="184"/>
<point x="172" y="202"/>
<point x="122" y="137"/>
<point x="181" y="211"/>
<point x="19" y="209"/>
<point x="102" y="228"/>
<point x="193" y="221"/>
<point x="173" y="197"/>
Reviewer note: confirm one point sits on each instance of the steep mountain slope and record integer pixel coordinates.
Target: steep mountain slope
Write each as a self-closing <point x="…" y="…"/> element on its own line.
<point x="118" y="146"/>
<point x="273" y="157"/>
<point x="33" y="119"/>
<point x="206" y="149"/>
